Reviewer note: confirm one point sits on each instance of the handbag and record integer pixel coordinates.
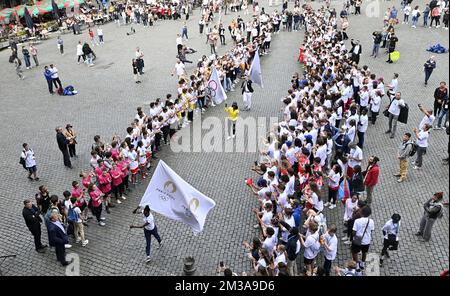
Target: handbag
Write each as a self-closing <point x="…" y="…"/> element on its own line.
<point x="357" y="240"/>
<point x="386" y="112"/>
<point x="403" y="116"/>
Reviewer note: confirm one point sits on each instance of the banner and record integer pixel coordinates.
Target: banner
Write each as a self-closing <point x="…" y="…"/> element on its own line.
<point x="255" y="70"/>
<point x="214" y="88"/>
<point x="169" y="195"/>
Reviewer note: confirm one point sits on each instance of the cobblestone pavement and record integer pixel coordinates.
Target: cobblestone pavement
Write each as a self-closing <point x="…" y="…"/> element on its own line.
<point x="105" y="105"/>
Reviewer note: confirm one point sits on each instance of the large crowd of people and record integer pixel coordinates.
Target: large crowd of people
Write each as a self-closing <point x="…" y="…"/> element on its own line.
<point x="313" y="158"/>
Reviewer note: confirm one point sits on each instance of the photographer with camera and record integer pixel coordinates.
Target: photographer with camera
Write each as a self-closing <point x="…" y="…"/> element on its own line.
<point x="377" y="38"/>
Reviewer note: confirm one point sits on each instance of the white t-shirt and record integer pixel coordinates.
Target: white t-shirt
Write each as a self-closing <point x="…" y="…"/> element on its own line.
<point x="270" y="243"/>
<point x="151" y="222"/>
<point x="376" y="104"/>
<point x="426" y="120"/>
<point x="360" y="225"/>
<point x="356" y="153"/>
<point x="332" y="243"/>
<point x="363" y="123"/>
<point x="179" y="68"/>
<point x="395" y="106"/>
<point x="30" y="160"/>
<point x="349" y="206"/>
<point x="322" y="153"/>
<point x="422" y="140"/>
<point x="312" y="246"/>
<point x="318" y="204"/>
<point x="267" y="218"/>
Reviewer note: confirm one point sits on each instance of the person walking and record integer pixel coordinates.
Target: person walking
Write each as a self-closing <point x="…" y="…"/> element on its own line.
<point x="55" y="77"/>
<point x="80" y="53"/>
<point x="26" y="57"/>
<point x="63" y="146"/>
<point x="60" y="44"/>
<point x="71" y="136"/>
<point x="100" y="35"/>
<point x="415" y="16"/>
<point x="18" y="66"/>
<point x="150" y="229"/>
<point x="57" y="237"/>
<point x="394" y="111"/>
<point x="428" y="68"/>
<point x="433" y="209"/>
<point x="390" y="236"/>
<point x="233" y="113"/>
<point x="184" y="31"/>
<point x="440" y="95"/>
<point x="31" y="214"/>
<point x="247" y="91"/>
<point x="136" y="74"/>
<point x="89" y="54"/>
<point x="29" y="160"/>
<point x="371" y="177"/>
<point x="422" y="144"/>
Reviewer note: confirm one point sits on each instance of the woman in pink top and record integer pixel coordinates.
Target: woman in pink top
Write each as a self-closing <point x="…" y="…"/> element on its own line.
<point x="78" y="193"/>
<point x="86" y="179"/>
<point x="104" y="181"/>
<point x="96" y="200"/>
<point x="117" y="187"/>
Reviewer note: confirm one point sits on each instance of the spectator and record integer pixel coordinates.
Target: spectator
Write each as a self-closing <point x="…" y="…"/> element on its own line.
<point x="433" y="209"/>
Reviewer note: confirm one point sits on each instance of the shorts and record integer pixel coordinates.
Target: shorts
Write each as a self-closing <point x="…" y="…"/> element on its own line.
<point x="356" y="249"/>
<point x="307" y="261"/>
<point x="32" y="169"/>
<point x="134" y="171"/>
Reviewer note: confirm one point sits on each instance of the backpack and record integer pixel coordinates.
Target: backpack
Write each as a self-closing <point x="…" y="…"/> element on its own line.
<point x="72" y="216"/>
<point x="413" y="149"/>
<point x="22" y="162"/>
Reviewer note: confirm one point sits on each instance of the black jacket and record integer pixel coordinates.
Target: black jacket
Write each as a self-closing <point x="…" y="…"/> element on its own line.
<point x="62" y="141"/>
<point x="56" y="236"/>
<point x="357" y="183"/>
<point x="249" y="86"/>
<point x="291" y="247"/>
<point x="32" y="218"/>
<point x="353" y="48"/>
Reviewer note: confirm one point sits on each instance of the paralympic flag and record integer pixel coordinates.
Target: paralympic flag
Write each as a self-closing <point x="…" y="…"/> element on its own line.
<point x="169" y="195"/>
<point x="214" y="88"/>
<point x="255" y="70"/>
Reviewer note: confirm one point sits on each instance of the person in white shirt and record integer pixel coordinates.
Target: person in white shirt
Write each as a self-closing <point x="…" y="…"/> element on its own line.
<point x="100" y="35"/>
<point x="311" y="244"/>
<point x="270" y="242"/>
<point x="390" y="236"/>
<point x="362" y="127"/>
<point x="334" y="176"/>
<point x="375" y="104"/>
<point x="362" y="236"/>
<point x="394" y="83"/>
<point x="428" y="118"/>
<point x="321" y="151"/>
<point x="355" y="158"/>
<point x="80" y="53"/>
<point x="422" y="144"/>
<point x="329" y="243"/>
<point x="149" y="230"/>
<point x="28" y="157"/>
<point x="394" y="111"/>
<point x="179" y="69"/>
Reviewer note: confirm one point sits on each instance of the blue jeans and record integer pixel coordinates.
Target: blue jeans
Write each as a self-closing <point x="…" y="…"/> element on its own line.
<point x="414" y="20"/>
<point x="425" y="20"/>
<point x="444" y="113"/>
<point x="427" y="75"/>
<point x="148" y="238"/>
<point x="376" y="49"/>
<point x="27" y="60"/>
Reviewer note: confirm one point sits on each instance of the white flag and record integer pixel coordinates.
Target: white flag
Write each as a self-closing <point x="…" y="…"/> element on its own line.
<point x="169" y="195"/>
<point x="214" y="88"/>
<point x="255" y="70"/>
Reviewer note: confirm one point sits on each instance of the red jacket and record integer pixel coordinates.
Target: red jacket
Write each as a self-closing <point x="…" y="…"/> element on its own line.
<point x="372" y="176"/>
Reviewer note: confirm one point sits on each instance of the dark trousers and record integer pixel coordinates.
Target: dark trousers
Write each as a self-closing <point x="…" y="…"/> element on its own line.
<point x="117" y="190"/>
<point x="158" y="141"/>
<point x="327" y="266"/>
<point x="361" y="139"/>
<point x="66" y="157"/>
<point x="427" y="75"/>
<point x="222" y="39"/>
<point x="72" y="151"/>
<point x="148" y="239"/>
<point x="36" y="232"/>
<point x="374" y="117"/>
<point x="165" y="130"/>
<point x="332" y="194"/>
<point x="437" y="108"/>
<point x="125" y="183"/>
<point x="57" y="83"/>
<point x="97" y="211"/>
<point x="50" y="86"/>
<point x="60" y="253"/>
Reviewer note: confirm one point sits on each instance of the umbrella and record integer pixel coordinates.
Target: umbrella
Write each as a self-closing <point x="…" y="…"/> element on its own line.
<point x="28" y="19"/>
<point x="55" y="10"/>
<point x="5" y="14"/>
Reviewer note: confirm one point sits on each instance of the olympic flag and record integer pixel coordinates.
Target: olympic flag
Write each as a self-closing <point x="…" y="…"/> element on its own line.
<point x="214" y="88"/>
<point x="255" y="70"/>
<point x="169" y="195"/>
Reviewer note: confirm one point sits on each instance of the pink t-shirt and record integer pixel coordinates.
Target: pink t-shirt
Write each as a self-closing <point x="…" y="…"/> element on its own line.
<point x="114" y="154"/>
<point x="98" y="170"/>
<point x="95" y="195"/>
<point x="86" y="181"/>
<point x="105" y="183"/>
<point x="116" y="175"/>
<point x="123" y="165"/>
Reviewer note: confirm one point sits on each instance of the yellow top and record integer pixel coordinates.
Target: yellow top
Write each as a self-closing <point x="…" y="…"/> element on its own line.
<point x="232" y="114"/>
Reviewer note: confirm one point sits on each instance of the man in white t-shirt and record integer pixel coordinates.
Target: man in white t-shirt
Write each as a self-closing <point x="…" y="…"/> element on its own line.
<point x="179" y="69"/>
<point x="363" y="124"/>
<point x="355" y="158"/>
<point x="362" y="236"/>
<point x="428" y="118"/>
<point x="394" y="111"/>
<point x="422" y="144"/>
<point x="312" y="247"/>
<point x="329" y="243"/>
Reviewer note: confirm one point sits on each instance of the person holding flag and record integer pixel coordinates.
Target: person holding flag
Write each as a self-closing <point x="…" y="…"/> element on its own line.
<point x="149" y="230"/>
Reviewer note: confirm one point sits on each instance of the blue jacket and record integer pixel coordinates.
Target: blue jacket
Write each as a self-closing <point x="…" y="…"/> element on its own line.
<point x="297" y="214"/>
<point x="56" y="236"/>
<point x="48" y="75"/>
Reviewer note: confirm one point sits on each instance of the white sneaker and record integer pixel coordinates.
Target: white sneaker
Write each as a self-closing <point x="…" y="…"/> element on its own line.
<point x="332" y="206"/>
<point x="345" y="238"/>
<point x="85" y="243"/>
<point x="102" y="219"/>
<point x="347" y="242"/>
<point x="101" y="223"/>
<point x="228" y="138"/>
<point x="67" y="246"/>
<point x="148" y="259"/>
<point x="78" y="241"/>
<point x="123" y="197"/>
<point x="118" y="202"/>
<point x="326" y="204"/>
<point x="233" y="136"/>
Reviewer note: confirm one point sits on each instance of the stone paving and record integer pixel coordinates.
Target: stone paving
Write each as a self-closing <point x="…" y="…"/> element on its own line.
<point x="106" y="104"/>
